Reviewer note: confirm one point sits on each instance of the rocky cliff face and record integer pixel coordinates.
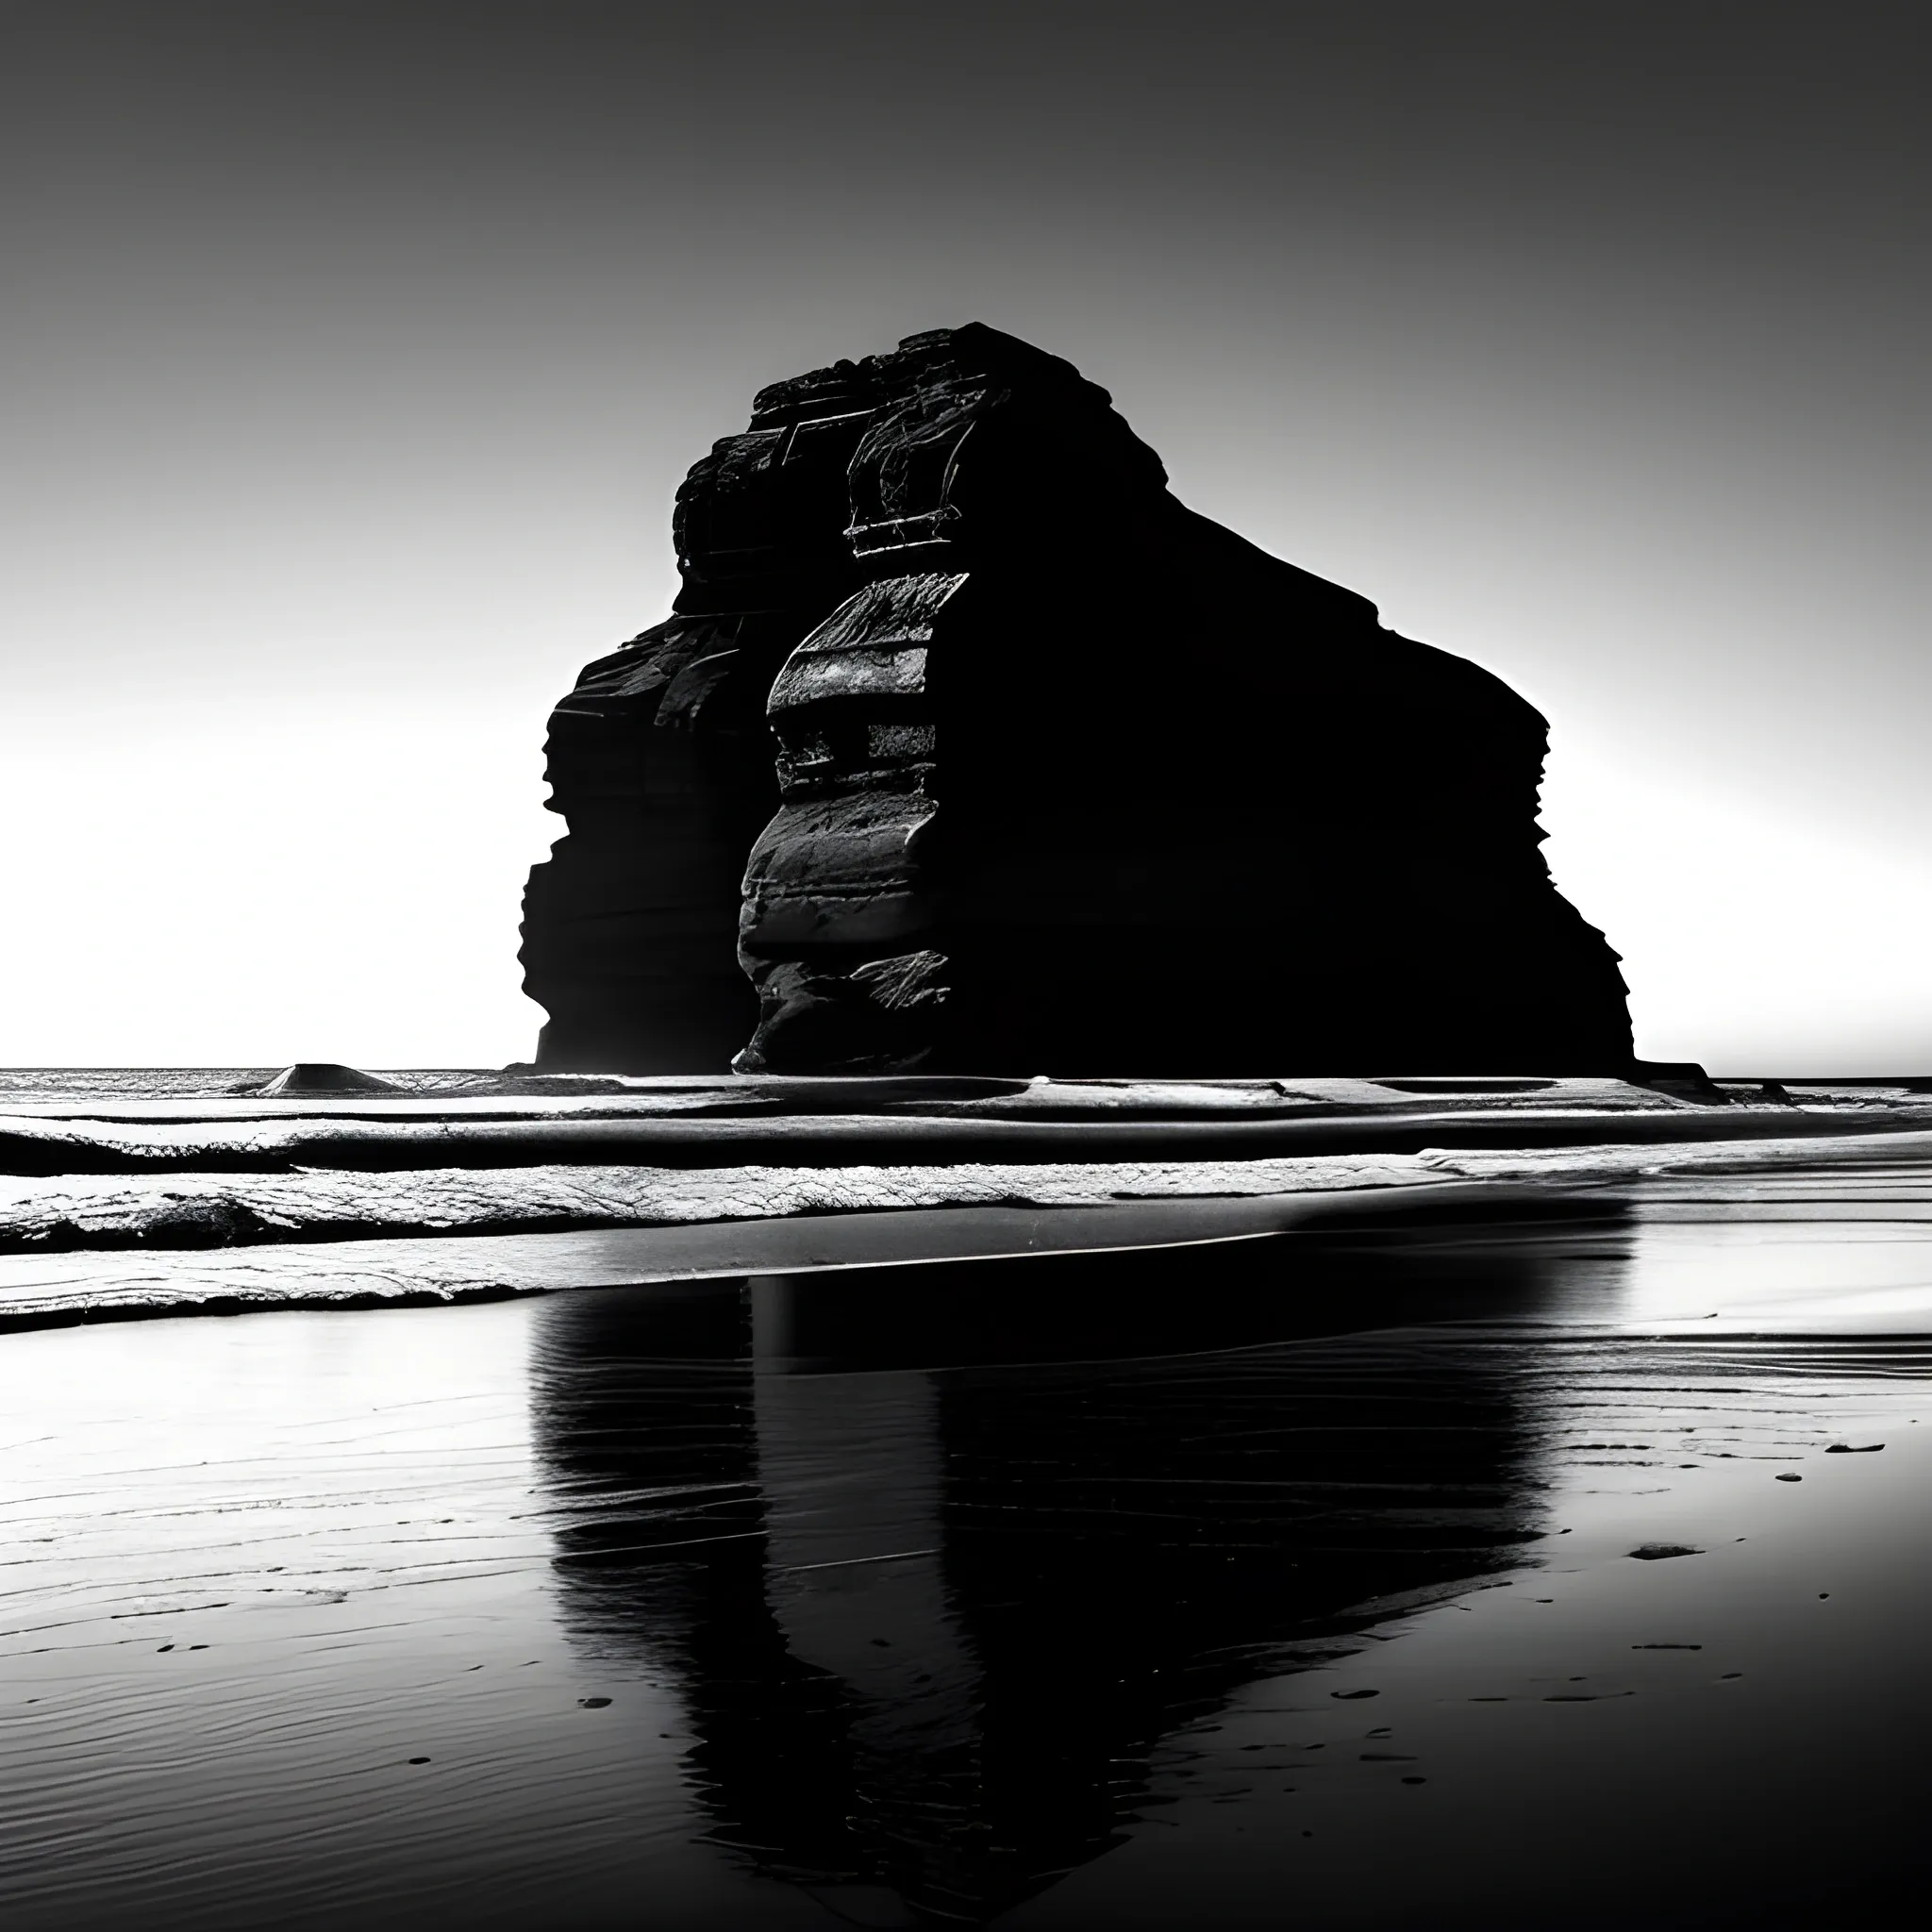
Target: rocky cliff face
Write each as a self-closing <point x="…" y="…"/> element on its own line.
<point x="1059" y="777"/>
<point x="660" y="759"/>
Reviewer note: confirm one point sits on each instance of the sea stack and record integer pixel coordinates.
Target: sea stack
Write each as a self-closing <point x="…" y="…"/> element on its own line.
<point x="970" y="748"/>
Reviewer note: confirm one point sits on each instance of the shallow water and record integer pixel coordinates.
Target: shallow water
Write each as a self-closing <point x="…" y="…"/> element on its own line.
<point x="1278" y="1580"/>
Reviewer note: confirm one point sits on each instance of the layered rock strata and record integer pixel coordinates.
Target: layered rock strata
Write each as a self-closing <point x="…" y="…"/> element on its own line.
<point x="1067" y="778"/>
<point x="660" y="759"/>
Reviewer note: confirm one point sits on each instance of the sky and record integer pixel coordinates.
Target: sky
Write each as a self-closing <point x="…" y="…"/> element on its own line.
<point x="352" y="356"/>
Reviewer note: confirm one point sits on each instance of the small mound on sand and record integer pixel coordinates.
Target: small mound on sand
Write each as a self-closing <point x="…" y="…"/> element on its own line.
<point x="323" y="1076"/>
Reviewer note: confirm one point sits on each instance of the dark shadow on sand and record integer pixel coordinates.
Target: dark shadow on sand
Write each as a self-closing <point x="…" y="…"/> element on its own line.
<point x="942" y="1557"/>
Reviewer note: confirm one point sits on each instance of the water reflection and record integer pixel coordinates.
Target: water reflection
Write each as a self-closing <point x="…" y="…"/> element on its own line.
<point x="940" y="1557"/>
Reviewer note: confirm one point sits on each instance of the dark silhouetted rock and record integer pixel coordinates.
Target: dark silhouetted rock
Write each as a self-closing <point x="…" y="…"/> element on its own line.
<point x="1068" y="779"/>
<point x="661" y="762"/>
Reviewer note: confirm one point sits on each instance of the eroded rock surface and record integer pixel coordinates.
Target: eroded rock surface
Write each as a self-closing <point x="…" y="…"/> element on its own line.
<point x="1067" y="778"/>
<point x="661" y="762"/>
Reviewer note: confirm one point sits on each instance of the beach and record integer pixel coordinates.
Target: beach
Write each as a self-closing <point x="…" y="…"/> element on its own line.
<point x="1450" y="1567"/>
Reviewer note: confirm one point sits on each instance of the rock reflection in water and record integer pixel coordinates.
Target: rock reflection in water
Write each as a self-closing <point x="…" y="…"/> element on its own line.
<point x="939" y="1556"/>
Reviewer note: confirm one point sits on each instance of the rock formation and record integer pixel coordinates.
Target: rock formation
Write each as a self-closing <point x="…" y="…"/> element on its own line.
<point x="661" y="759"/>
<point x="320" y="1077"/>
<point x="1067" y="778"/>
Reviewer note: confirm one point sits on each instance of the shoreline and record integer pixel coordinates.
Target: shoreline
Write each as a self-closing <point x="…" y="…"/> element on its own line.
<point x="164" y="1203"/>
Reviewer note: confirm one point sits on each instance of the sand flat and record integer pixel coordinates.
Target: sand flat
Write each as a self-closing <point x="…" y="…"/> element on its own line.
<point x="1028" y="1582"/>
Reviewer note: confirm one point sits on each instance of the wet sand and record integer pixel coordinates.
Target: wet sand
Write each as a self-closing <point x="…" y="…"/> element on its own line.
<point x="1039" y="1592"/>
